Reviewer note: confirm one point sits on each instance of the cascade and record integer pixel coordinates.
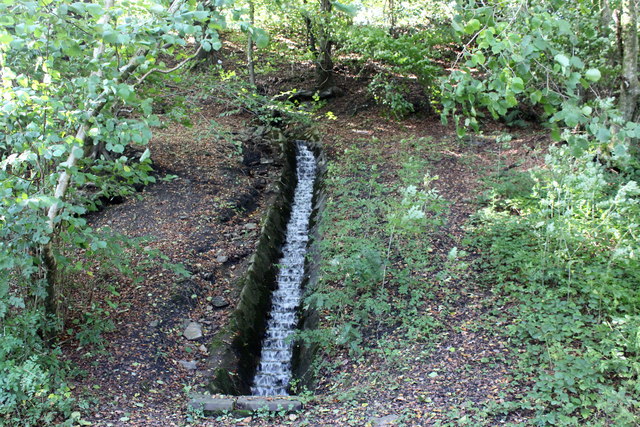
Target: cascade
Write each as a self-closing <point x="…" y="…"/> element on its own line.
<point x="274" y="370"/>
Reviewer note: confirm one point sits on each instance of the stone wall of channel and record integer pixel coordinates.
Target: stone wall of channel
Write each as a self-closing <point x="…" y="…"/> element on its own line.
<point x="235" y="350"/>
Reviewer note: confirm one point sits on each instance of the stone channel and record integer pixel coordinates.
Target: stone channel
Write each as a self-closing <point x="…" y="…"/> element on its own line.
<point x="274" y="371"/>
<point x="254" y="357"/>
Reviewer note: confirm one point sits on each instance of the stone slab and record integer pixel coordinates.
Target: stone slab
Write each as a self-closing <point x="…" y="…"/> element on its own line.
<point x="207" y="403"/>
<point x="254" y="403"/>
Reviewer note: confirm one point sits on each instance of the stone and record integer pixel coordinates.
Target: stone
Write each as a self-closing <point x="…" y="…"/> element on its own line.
<point x="250" y="226"/>
<point x="266" y="161"/>
<point x="193" y="331"/>
<point x="190" y="365"/>
<point x="252" y="403"/>
<point x="219" y="302"/>
<point x="203" y="349"/>
<point x="222" y="259"/>
<point x="154" y="324"/>
<point x="385" y="421"/>
<point x="203" y="402"/>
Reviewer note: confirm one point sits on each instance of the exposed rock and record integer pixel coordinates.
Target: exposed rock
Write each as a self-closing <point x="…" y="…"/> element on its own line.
<point x="222" y="259"/>
<point x="385" y="421"/>
<point x="193" y="331"/>
<point x="154" y="324"/>
<point x="250" y="226"/>
<point x="260" y="183"/>
<point x="252" y="403"/>
<point x="207" y="403"/>
<point x="219" y="302"/>
<point x="203" y="349"/>
<point x="190" y="365"/>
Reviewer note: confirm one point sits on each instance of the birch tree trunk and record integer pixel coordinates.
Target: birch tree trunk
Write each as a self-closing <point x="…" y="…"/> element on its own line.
<point x="630" y="86"/>
<point x="52" y="273"/>
<point x="250" y="66"/>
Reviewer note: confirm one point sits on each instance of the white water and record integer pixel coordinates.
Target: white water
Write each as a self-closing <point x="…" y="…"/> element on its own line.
<point x="274" y="371"/>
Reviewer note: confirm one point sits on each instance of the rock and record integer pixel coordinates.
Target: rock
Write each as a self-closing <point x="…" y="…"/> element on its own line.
<point x="222" y="259"/>
<point x="219" y="302"/>
<point x="250" y="226"/>
<point x="203" y="349"/>
<point x="190" y="365"/>
<point x="265" y="161"/>
<point x="385" y="421"/>
<point x="251" y="403"/>
<point x="193" y="331"/>
<point x="260" y="183"/>
<point x="207" y="403"/>
<point x="154" y="324"/>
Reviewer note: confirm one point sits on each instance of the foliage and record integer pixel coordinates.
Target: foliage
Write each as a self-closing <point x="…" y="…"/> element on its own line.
<point x="411" y="55"/>
<point x="547" y="61"/>
<point x="570" y="258"/>
<point x="69" y="75"/>
<point x="369" y="258"/>
<point x="391" y="95"/>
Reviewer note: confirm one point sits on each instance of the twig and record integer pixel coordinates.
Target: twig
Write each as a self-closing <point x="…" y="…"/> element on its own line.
<point x="170" y="70"/>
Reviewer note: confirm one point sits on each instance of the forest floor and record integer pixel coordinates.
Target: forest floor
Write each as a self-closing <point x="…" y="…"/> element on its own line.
<point x="206" y="213"/>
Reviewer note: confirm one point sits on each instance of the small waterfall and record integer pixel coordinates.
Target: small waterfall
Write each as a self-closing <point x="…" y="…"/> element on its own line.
<point x="274" y="371"/>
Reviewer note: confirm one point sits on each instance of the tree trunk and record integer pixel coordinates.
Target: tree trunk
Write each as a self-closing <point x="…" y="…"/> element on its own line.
<point x="52" y="273"/>
<point x="392" y="18"/>
<point x="250" y="66"/>
<point x="52" y="276"/>
<point x="630" y="86"/>
<point x="324" y="63"/>
<point x="311" y="35"/>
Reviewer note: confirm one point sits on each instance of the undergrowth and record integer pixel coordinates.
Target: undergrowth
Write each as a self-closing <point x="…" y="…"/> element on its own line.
<point x="376" y="232"/>
<point x="563" y="244"/>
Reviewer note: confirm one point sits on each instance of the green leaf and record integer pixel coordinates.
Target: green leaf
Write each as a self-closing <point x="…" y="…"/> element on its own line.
<point x="562" y="60"/>
<point x="110" y="36"/>
<point x="261" y="38"/>
<point x="344" y="8"/>
<point x="563" y="26"/>
<point x="94" y="9"/>
<point x="517" y="85"/>
<point x="472" y="26"/>
<point x="479" y="58"/>
<point x="536" y="96"/>
<point x="5" y="38"/>
<point x="603" y="134"/>
<point x="592" y="74"/>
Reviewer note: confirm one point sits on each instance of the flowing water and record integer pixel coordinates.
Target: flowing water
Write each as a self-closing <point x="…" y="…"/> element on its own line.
<point x="274" y="370"/>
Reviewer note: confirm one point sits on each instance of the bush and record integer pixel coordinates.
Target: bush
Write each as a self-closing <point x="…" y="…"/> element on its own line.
<point x="571" y="260"/>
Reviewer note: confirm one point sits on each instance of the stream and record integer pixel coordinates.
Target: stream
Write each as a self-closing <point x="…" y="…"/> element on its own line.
<point x="274" y="371"/>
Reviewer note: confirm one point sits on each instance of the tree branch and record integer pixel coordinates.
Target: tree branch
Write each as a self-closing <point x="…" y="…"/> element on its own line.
<point x="170" y="70"/>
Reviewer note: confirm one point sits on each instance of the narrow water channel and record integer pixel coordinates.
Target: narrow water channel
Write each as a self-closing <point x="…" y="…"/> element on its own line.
<point x="274" y="371"/>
